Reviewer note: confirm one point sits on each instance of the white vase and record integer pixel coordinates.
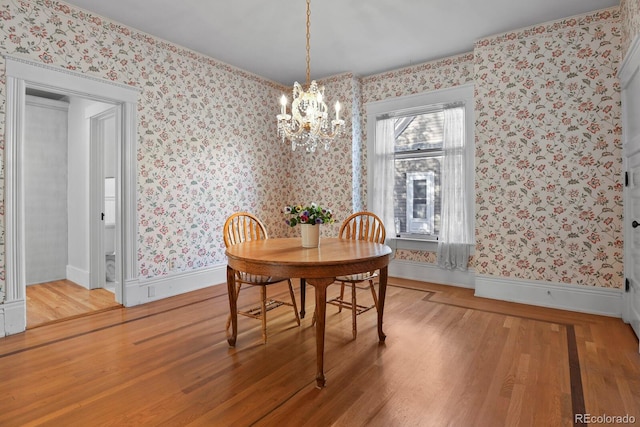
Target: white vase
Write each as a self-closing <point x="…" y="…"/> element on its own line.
<point x="310" y="235"/>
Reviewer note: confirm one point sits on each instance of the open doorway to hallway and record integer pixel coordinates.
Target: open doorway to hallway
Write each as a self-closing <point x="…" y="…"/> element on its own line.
<point x="20" y="75"/>
<point x="69" y="166"/>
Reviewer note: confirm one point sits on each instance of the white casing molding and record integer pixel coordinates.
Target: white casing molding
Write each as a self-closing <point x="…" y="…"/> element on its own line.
<point x="583" y="299"/>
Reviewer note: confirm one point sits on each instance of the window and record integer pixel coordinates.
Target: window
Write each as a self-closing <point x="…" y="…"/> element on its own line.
<point x="417" y="169"/>
<point x="412" y="159"/>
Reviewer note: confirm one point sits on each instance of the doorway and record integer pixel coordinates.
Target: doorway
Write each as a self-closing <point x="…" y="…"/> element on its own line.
<point x="62" y="270"/>
<point x="20" y="75"/>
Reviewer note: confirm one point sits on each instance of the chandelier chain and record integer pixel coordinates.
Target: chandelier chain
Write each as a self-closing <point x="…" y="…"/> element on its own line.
<point x="308" y="42"/>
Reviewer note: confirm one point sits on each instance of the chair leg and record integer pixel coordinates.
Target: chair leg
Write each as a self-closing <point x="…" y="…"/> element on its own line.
<point x="293" y="301"/>
<point x="263" y="294"/>
<point x="373" y="293"/>
<point x="354" y="309"/>
<point x="341" y="296"/>
<point x="229" y="318"/>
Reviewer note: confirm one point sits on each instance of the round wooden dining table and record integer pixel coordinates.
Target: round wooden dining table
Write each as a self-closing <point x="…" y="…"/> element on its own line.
<point x="318" y="266"/>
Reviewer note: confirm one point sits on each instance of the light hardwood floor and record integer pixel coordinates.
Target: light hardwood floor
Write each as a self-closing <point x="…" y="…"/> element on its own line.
<point x="449" y="359"/>
<point x="63" y="300"/>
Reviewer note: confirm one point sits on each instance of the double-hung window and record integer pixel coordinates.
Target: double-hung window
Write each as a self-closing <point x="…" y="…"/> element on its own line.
<point x="421" y="168"/>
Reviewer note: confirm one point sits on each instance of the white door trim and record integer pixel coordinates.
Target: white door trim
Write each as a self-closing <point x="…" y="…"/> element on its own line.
<point x="96" y="203"/>
<point x="20" y="74"/>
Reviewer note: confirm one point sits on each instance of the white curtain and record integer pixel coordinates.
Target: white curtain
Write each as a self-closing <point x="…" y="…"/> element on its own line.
<point x="383" y="179"/>
<point x="456" y="227"/>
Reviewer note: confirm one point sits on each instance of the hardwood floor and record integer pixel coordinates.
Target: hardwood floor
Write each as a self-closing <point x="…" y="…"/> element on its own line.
<point x="449" y="359"/>
<point x="62" y="300"/>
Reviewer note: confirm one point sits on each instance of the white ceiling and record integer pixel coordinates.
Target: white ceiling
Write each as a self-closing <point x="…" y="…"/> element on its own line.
<point x="267" y="37"/>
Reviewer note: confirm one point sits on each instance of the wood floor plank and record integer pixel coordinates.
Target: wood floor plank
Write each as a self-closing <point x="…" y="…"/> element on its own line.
<point x="62" y="300"/>
<point x="449" y="359"/>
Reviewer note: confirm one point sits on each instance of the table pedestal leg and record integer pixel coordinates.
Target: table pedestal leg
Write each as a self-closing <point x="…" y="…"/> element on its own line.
<point x="320" y="286"/>
<point x="382" y="292"/>
<point x="233" y="305"/>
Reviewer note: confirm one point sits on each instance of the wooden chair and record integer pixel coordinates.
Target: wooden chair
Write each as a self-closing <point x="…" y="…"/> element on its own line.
<point x="359" y="226"/>
<point x="242" y="227"/>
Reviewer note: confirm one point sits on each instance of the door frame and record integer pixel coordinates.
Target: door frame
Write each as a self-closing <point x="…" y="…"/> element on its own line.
<point x="20" y="74"/>
<point x="96" y="196"/>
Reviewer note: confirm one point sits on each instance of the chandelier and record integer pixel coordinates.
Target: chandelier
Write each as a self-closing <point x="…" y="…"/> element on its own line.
<point x="308" y="124"/>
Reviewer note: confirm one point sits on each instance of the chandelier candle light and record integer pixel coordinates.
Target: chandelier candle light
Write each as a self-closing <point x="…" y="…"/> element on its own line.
<point x="308" y="124"/>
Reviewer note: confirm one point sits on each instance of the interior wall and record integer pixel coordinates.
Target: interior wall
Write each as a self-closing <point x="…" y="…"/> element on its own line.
<point x="110" y="149"/>
<point x="207" y="137"/>
<point x="548" y="160"/>
<point x="79" y="169"/>
<point x="549" y="152"/>
<point x="206" y="130"/>
<point x="78" y="208"/>
<point x="45" y="192"/>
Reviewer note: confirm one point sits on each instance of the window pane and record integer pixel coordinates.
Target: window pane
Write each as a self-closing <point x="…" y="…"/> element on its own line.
<point x="420" y="132"/>
<point x="419" y="189"/>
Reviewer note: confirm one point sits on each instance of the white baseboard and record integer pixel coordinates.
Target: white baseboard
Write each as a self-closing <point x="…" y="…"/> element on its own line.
<point x="602" y="301"/>
<point x="81" y="277"/>
<point x="13" y="314"/>
<point x="13" y="317"/>
<point x="140" y="291"/>
<point x="584" y="299"/>
<point x="431" y="273"/>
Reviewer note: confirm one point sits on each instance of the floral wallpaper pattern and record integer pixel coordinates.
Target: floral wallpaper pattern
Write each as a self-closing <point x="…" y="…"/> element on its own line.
<point x="206" y="136"/>
<point x="548" y="152"/>
<point x="205" y="128"/>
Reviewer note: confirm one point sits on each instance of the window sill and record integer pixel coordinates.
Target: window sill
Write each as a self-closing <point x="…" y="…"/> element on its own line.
<point x="417" y="244"/>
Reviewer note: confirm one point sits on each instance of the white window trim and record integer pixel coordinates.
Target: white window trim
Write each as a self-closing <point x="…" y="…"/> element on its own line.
<point x="416" y="103"/>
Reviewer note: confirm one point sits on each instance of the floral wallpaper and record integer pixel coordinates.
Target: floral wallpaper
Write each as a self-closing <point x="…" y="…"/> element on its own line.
<point x="205" y="129"/>
<point x="548" y="152"/>
<point x="548" y="139"/>
<point x="548" y="146"/>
